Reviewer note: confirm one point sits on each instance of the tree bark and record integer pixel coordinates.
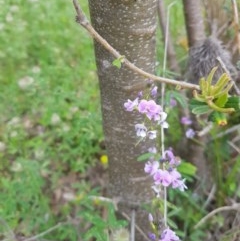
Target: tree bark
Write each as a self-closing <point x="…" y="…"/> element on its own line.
<point x="195" y="153"/>
<point x="194" y="21"/>
<point x="129" y="26"/>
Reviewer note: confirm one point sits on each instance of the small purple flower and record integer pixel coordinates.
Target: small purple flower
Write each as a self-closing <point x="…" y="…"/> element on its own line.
<point x="151" y="167"/>
<point x="152" y="236"/>
<point x="179" y="184"/>
<point x="190" y="133"/>
<point x="168" y="155"/>
<point x="130" y="105"/>
<point x="151" y="109"/>
<point x="169" y="235"/>
<point x="152" y="150"/>
<point x="140" y="94"/>
<point x="186" y="120"/>
<point x="154" y="91"/>
<point x="162" y="177"/>
<point x="173" y="102"/>
<point x="141" y="130"/>
<point x="143" y="106"/>
<point x="152" y="135"/>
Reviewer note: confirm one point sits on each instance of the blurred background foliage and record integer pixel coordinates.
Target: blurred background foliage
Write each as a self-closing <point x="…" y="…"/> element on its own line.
<point x="52" y="157"/>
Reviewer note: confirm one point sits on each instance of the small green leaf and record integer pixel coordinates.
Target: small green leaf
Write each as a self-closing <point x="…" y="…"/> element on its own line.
<point x="118" y="62"/>
<point x="145" y="156"/>
<point x="218" y="118"/>
<point x="199" y="110"/>
<point x="195" y="103"/>
<point x="221" y="101"/>
<point x="178" y="96"/>
<point x="187" y="168"/>
<point x="233" y="102"/>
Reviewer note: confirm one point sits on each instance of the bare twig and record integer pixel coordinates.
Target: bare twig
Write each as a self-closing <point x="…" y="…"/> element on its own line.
<point x="234" y="207"/>
<point x="4" y="223"/>
<point x="226" y="132"/>
<point x="45" y="232"/>
<point x="226" y="70"/>
<point x="136" y="226"/>
<point x="234" y="146"/>
<point x="133" y="224"/>
<point x="82" y="20"/>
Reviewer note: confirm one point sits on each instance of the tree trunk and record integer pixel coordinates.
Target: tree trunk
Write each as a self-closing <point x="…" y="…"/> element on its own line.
<point x="195" y="152"/>
<point x="194" y="21"/>
<point x="129" y="26"/>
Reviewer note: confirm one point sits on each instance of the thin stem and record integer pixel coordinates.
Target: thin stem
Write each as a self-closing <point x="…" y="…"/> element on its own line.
<point x="133" y="224"/>
<point x="45" y="232"/>
<point x="163" y="88"/>
<point x="234" y="207"/>
<point x="82" y="20"/>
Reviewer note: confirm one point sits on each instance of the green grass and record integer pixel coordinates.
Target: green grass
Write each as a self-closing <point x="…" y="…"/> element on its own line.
<point x="50" y="121"/>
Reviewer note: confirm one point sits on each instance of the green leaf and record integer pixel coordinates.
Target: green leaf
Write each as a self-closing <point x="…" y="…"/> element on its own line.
<point x="145" y="156"/>
<point x="233" y="102"/>
<point x="118" y="62"/>
<point x="180" y="98"/>
<point x="187" y="168"/>
<point x="218" y="118"/>
<point x="195" y="103"/>
<point x="221" y="101"/>
<point x="199" y="110"/>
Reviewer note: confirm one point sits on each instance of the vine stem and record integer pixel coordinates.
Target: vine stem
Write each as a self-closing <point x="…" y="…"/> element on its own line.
<point x="83" y="21"/>
<point x="234" y="207"/>
<point x="163" y="87"/>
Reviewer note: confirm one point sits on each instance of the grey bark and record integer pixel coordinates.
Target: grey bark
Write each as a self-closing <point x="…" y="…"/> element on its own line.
<point x="194" y="21"/>
<point x="129" y="26"/>
<point x="195" y="153"/>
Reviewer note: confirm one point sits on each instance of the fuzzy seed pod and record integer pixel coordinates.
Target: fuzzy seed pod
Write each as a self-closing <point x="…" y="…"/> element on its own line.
<point x="203" y="57"/>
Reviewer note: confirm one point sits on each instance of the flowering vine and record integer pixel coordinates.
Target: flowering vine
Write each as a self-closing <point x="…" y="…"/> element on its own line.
<point x="162" y="168"/>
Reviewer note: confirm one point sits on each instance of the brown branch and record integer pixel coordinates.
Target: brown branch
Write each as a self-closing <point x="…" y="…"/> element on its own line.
<point x="234" y="207"/>
<point x="82" y="20"/>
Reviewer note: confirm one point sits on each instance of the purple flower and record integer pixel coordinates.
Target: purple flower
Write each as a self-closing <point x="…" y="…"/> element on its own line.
<point x="151" y="109"/>
<point x="173" y="102"/>
<point x="169" y="235"/>
<point x="141" y="130"/>
<point x="154" y="91"/>
<point x="152" y="236"/>
<point x="151" y="167"/>
<point x="152" y="150"/>
<point x="186" y="120"/>
<point x="140" y="94"/>
<point x="162" y="177"/>
<point x="130" y="105"/>
<point x="179" y="184"/>
<point x="152" y="134"/>
<point x="190" y="133"/>
<point x="168" y="155"/>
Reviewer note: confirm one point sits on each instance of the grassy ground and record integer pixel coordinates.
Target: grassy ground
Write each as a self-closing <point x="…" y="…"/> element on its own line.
<point x="50" y="122"/>
<point x="51" y="135"/>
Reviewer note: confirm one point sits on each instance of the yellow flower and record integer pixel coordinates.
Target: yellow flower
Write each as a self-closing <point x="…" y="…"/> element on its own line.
<point x="104" y="160"/>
